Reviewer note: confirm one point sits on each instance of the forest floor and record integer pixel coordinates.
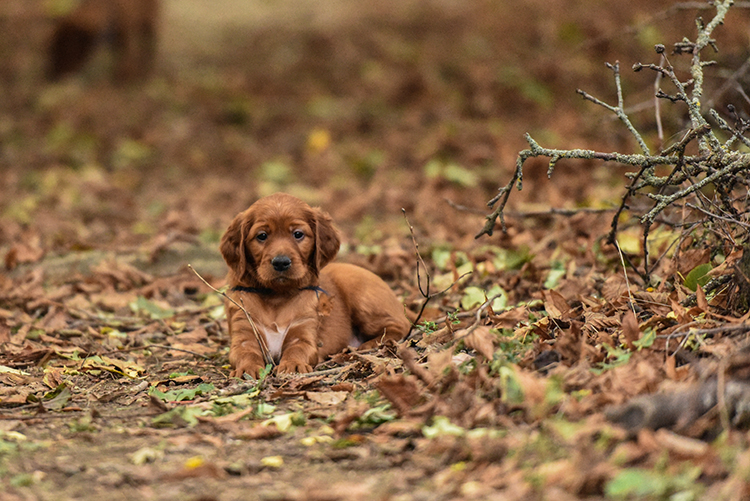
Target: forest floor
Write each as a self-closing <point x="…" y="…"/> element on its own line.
<point x="113" y="354"/>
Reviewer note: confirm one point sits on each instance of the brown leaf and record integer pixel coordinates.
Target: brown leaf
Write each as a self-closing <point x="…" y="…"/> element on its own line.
<point x="676" y="373"/>
<point x="326" y="397"/>
<point x="630" y="330"/>
<point x="113" y="301"/>
<point x="691" y="258"/>
<point x="700" y="298"/>
<point x="52" y="377"/>
<point x="596" y="321"/>
<point x="205" y="470"/>
<point x="684" y="447"/>
<point x="555" y="304"/>
<point x="258" y="432"/>
<point x="54" y="320"/>
<point x="437" y="362"/>
<point x="680" y="312"/>
<point x="510" y="318"/>
<point x="614" y="288"/>
<point x="343" y="387"/>
<point x="480" y="340"/>
<point x="402" y="391"/>
<point x="29" y="251"/>
<point x="4" y="334"/>
<point x="409" y="357"/>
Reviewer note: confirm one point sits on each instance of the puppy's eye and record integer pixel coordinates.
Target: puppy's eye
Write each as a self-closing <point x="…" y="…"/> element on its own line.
<point x="261" y="237"/>
<point x="298" y="234"/>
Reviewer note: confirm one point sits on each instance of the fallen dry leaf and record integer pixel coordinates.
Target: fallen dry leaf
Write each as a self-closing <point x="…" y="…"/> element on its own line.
<point x="326" y="397"/>
<point x="480" y="339"/>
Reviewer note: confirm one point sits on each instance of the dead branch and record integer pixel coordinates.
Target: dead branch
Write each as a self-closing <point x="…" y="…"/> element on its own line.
<point x="718" y="166"/>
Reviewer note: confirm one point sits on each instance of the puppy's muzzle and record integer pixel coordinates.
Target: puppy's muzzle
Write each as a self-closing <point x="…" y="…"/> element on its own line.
<point x="281" y="263"/>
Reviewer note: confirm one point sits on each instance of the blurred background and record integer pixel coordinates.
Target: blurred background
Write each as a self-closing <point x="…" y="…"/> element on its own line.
<point x="363" y="108"/>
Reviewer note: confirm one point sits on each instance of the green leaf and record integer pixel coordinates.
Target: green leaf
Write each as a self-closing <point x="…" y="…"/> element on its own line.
<point x="241" y="401"/>
<point x="474" y="296"/>
<point x="23" y="480"/>
<point x="512" y="392"/>
<point x="130" y="152"/>
<point x="698" y="276"/>
<point x="150" y="309"/>
<point x="556" y="273"/>
<point x="377" y="415"/>
<point x="642" y="483"/>
<point x="179" y="417"/>
<point x="460" y="175"/>
<point x="276" y="171"/>
<point x="58" y="398"/>
<point x="217" y="313"/>
<point x="441" y="426"/>
<point x="646" y="340"/>
<point x="511" y="259"/>
<point x="441" y="257"/>
<point x="58" y="8"/>
<point x="181" y="394"/>
<point x="452" y="172"/>
<point x="283" y="422"/>
<point x="630" y="241"/>
<point x="616" y="356"/>
<point x="635" y="482"/>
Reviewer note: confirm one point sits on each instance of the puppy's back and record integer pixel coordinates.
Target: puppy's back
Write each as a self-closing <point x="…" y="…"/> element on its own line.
<point x="375" y="310"/>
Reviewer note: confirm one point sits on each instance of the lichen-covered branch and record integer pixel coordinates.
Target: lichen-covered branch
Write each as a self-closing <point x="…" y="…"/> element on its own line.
<point x="717" y="166"/>
<point x="619" y="110"/>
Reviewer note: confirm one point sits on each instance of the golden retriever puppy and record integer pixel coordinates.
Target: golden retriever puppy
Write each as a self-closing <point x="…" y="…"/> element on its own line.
<point x="301" y="309"/>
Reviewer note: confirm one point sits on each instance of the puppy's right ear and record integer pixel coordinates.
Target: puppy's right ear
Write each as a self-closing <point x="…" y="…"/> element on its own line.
<point x="232" y="246"/>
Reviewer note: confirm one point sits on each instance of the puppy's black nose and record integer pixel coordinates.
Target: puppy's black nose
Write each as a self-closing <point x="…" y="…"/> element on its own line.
<point x="281" y="263"/>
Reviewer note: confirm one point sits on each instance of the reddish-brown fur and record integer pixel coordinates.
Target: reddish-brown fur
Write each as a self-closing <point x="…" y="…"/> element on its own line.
<point x="351" y="307"/>
<point x="128" y="27"/>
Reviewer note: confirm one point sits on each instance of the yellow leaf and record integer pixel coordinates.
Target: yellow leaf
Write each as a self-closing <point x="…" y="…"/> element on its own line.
<point x="272" y="461"/>
<point x="194" y="462"/>
<point x="318" y="140"/>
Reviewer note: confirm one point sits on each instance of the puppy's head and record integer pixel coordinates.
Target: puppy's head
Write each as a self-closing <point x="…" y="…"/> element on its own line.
<point x="279" y="243"/>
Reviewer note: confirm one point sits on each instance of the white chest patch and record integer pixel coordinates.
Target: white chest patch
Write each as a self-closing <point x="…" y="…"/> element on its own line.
<point x="275" y="339"/>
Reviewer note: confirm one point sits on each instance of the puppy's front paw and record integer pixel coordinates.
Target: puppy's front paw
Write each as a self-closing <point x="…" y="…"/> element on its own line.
<point x="291" y="366"/>
<point x="251" y="365"/>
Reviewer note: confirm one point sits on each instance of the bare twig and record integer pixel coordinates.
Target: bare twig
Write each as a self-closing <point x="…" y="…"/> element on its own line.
<point x="657" y="105"/>
<point x="424" y="291"/>
<point x="265" y="352"/>
<point x="718" y="167"/>
<point x="156" y="346"/>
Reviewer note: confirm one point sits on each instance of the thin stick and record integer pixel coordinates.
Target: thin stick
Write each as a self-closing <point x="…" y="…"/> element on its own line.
<point x="261" y="341"/>
<point x="150" y="346"/>
<point x="420" y="263"/>
<point x="477" y="318"/>
<point x="657" y="105"/>
<point x="627" y="282"/>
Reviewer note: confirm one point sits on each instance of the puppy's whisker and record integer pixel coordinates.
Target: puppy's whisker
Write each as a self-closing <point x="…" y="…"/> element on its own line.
<point x="261" y="341"/>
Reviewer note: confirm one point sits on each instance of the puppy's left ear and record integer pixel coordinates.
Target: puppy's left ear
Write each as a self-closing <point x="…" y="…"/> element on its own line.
<point x="327" y="240"/>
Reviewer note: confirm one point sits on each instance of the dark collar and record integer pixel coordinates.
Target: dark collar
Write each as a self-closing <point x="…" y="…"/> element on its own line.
<point x="268" y="292"/>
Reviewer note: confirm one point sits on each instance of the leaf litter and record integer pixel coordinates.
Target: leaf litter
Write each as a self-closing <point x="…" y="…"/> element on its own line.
<point x="544" y="372"/>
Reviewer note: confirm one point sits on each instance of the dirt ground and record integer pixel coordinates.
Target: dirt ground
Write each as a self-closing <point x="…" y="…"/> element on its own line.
<point x="113" y="353"/>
